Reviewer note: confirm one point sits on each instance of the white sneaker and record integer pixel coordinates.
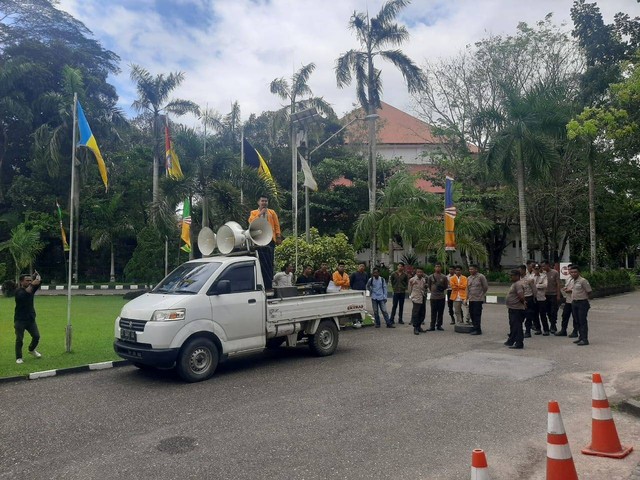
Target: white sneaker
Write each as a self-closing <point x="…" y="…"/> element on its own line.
<point x="35" y="354"/>
<point x="19" y="361"/>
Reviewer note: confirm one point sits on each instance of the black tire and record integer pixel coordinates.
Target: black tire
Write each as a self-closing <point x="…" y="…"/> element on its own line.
<point x="463" y="328"/>
<point x="274" y="343"/>
<point x="198" y="360"/>
<point x="325" y="341"/>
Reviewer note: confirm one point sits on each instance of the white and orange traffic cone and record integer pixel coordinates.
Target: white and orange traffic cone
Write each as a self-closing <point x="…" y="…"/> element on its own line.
<point x="604" y="435"/>
<point x="559" y="460"/>
<point x="479" y="468"/>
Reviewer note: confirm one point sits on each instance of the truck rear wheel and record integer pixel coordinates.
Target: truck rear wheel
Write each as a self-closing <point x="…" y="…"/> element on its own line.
<point x="198" y="360"/>
<point x="325" y="341"/>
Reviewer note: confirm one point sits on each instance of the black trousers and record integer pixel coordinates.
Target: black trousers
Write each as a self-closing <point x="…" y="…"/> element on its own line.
<point x="567" y="313"/>
<point x="450" y="305"/>
<point x="542" y="314"/>
<point x="437" y="312"/>
<point x="516" y="317"/>
<point x="531" y="314"/>
<point x="418" y="313"/>
<point x="552" y="310"/>
<point x="475" y="312"/>
<point x="398" y="301"/>
<point x="30" y="327"/>
<point x="265" y="255"/>
<point x="580" y="310"/>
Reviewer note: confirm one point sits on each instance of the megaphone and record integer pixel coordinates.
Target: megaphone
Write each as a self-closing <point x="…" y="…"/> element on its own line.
<point x="230" y="236"/>
<point x="206" y="241"/>
<point x="260" y="232"/>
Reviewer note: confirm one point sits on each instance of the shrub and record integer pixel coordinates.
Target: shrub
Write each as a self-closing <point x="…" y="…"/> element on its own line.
<point x="9" y="288"/>
<point x="330" y="249"/>
<point x="608" y="279"/>
<point x="499" y="276"/>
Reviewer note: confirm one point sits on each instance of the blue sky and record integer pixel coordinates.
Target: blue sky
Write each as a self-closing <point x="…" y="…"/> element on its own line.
<point x="231" y="49"/>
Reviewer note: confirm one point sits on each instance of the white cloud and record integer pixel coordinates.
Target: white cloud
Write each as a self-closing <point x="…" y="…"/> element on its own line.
<point x="248" y="43"/>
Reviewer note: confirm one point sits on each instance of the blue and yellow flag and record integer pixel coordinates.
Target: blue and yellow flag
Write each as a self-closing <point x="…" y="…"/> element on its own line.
<point x="252" y="158"/>
<point x="450" y="213"/>
<point x="88" y="140"/>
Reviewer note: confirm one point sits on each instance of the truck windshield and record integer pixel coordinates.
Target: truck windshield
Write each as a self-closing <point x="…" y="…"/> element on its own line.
<point x="187" y="279"/>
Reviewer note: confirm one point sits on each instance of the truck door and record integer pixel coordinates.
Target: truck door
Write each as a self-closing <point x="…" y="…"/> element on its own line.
<point x="239" y="311"/>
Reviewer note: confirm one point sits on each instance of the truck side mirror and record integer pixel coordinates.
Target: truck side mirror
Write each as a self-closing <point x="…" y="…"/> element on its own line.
<point x="222" y="287"/>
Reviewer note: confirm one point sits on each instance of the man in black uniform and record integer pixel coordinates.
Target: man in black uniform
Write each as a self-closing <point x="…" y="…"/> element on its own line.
<point x="25" y="315"/>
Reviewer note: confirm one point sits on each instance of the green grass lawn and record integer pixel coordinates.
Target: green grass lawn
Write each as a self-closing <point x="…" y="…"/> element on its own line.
<point x="92" y="318"/>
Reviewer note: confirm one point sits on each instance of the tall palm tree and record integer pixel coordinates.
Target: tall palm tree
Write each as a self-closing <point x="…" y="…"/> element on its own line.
<point x="528" y="126"/>
<point x="375" y="35"/>
<point x="107" y="223"/>
<point x="153" y="99"/>
<point x="294" y="93"/>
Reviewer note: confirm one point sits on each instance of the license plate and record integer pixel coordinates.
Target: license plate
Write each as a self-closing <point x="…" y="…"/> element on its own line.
<point x="127" y="335"/>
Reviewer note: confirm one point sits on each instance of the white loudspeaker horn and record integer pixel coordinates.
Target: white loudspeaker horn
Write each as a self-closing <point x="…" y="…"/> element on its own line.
<point x="260" y="232"/>
<point x="206" y="241"/>
<point x="230" y="235"/>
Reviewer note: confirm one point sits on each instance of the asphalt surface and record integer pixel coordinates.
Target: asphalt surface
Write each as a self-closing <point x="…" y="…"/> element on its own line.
<point x="387" y="405"/>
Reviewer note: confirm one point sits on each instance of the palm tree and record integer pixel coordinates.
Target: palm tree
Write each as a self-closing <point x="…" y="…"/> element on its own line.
<point x="107" y="223"/>
<point x="24" y="245"/>
<point x="293" y="92"/>
<point x="525" y="142"/>
<point x="153" y="94"/>
<point x="374" y="35"/>
<point x="415" y="216"/>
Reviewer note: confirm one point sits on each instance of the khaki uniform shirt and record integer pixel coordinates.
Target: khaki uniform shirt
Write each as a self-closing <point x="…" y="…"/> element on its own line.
<point x="527" y="284"/>
<point x="568" y="285"/>
<point x="477" y="288"/>
<point x="580" y="289"/>
<point x="540" y="284"/>
<point x="416" y="289"/>
<point x="553" y="281"/>
<point x="433" y="282"/>
<point x="513" y="298"/>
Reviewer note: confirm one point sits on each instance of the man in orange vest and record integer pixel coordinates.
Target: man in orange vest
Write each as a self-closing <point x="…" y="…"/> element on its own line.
<point x="458" y="284"/>
<point x="266" y="253"/>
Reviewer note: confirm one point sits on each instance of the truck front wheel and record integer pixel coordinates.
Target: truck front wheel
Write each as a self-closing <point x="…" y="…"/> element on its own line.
<point x="325" y="341"/>
<point x="198" y="360"/>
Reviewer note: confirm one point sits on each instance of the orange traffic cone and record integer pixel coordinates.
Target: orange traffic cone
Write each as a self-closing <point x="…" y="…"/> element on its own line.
<point x="604" y="436"/>
<point x="479" y="469"/>
<point x="559" y="460"/>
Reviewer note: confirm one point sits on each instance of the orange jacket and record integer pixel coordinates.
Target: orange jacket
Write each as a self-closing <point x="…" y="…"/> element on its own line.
<point x="341" y="281"/>
<point x="458" y="287"/>
<point x="272" y="218"/>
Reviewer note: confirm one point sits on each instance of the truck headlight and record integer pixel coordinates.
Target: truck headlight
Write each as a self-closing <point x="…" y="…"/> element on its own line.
<point x="168" y="315"/>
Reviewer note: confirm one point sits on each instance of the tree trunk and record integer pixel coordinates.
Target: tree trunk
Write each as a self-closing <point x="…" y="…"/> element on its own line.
<point x="156" y="142"/>
<point x="592" y="217"/>
<point x="522" y="207"/>
<point x="372" y="181"/>
<point x="112" y="271"/>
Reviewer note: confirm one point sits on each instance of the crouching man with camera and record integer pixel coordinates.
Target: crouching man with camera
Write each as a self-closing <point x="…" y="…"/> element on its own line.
<point x="437" y="285"/>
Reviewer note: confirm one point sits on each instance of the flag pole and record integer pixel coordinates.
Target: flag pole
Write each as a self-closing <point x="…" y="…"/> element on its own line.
<point x="68" y="329"/>
<point x="241" y="164"/>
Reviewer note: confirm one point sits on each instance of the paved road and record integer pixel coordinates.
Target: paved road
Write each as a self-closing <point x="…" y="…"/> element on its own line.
<point x="387" y="405"/>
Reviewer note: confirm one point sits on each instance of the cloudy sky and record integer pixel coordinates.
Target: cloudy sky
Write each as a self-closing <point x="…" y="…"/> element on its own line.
<point x="231" y="49"/>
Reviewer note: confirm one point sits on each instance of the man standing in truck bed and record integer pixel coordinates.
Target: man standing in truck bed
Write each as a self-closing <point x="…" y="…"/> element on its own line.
<point x="266" y="253"/>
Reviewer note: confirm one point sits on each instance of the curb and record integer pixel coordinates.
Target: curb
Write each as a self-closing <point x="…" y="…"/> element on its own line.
<point x="66" y="371"/>
<point x="630" y="406"/>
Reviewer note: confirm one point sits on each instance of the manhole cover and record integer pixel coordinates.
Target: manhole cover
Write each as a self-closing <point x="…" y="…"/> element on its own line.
<point x="494" y="365"/>
<point x="178" y="444"/>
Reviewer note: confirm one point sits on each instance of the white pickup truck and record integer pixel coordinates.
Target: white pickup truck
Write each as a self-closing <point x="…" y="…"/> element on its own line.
<point x="213" y="308"/>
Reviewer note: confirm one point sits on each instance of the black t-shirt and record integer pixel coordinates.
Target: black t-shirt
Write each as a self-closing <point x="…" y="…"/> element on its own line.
<point x="25" y="311"/>
<point x="303" y="280"/>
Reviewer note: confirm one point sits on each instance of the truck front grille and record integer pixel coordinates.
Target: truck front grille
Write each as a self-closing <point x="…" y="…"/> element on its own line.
<point x="136" y="325"/>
